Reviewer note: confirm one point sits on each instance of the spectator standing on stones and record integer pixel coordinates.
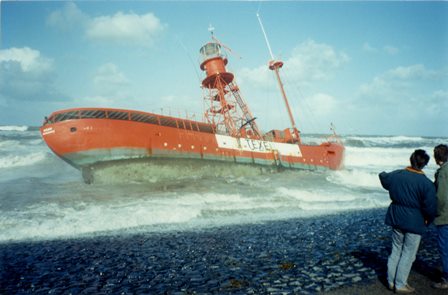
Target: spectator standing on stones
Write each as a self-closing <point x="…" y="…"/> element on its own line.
<point x="412" y="209"/>
<point x="441" y="221"/>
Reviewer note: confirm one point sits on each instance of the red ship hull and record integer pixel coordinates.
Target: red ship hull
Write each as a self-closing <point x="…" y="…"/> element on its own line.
<point x="86" y="137"/>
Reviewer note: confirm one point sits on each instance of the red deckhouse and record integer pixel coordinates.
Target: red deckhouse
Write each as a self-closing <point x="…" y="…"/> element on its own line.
<point x="85" y="137"/>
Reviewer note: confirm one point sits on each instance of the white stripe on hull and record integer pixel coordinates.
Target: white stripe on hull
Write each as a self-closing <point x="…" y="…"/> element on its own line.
<point x="260" y="146"/>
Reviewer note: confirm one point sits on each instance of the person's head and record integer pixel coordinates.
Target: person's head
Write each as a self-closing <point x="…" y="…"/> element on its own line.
<point x="441" y="154"/>
<point x="419" y="159"/>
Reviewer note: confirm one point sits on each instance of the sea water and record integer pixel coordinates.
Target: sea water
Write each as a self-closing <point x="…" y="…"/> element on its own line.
<point x="42" y="197"/>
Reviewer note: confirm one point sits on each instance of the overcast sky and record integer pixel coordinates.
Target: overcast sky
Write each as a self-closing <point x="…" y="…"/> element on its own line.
<point x="378" y="68"/>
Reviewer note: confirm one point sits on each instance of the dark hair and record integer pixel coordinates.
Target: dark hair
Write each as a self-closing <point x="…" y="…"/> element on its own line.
<point x="419" y="159"/>
<point x="441" y="153"/>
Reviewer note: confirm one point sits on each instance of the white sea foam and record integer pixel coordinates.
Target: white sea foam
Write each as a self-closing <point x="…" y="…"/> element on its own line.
<point x="13" y="128"/>
<point x="374" y="160"/>
<point x="35" y="141"/>
<point x="54" y="221"/>
<point x="377" y="157"/>
<point x="10" y="161"/>
<point x="8" y="144"/>
<point x="388" y="139"/>
<point x="324" y="200"/>
<point x="49" y="220"/>
<point x="355" y="178"/>
<point x="313" y="196"/>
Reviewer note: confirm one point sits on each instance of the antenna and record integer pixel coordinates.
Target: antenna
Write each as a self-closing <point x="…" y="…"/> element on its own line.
<point x="275" y="65"/>
<point x="189" y="57"/>
<point x="211" y="29"/>
<point x="265" y="36"/>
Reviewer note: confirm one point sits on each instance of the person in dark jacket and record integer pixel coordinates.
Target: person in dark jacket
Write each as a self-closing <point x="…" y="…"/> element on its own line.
<point x="413" y="208"/>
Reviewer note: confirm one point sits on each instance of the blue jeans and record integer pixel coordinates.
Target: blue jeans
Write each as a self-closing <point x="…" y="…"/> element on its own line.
<point x="442" y="239"/>
<point x="404" y="250"/>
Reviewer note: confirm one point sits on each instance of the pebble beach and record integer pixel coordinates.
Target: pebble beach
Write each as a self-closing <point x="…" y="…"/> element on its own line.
<point x="343" y="253"/>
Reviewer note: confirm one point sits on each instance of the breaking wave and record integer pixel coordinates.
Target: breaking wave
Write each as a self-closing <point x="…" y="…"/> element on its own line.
<point x="355" y="178"/>
<point x="377" y="157"/>
<point x="14" y="128"/>
<point x="56" y="221"/>
<point x="327" y="201"/>
<point x="391" y="141"/>
<point x="21" y="160"/>
<point x="168" y="211"/>
<point x="395" y="141"/>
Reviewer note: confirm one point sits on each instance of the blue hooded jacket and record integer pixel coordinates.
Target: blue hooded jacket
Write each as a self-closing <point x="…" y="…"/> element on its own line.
<point x="414" y="202"/>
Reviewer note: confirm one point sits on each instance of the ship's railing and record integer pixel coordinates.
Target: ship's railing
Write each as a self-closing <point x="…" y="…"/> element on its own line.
<point x="141" y="117"/>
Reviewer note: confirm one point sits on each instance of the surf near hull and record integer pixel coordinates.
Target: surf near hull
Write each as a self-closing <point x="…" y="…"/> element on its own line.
<point x="85" y="137"/>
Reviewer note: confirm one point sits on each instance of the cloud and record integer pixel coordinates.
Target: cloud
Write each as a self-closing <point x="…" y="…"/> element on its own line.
<point x="367" y="47"/>
<point x="315" y="60"/>
<point x="26" y="75"/>
<point x="326" y="103"/>
<point x="96" y="101"/>
<point x="109" y="88"/>
<point x="438" y="104"/>
<point x="398" y="78"/>
<point x="110" y="75"/>
<point x="108" y="80"/>
<point x="259" y="76"/>
<point x="28" y="59"/>
<point x="405" y="92"/>
<point x="69" y="17"/>
<point x="389" y="49"/>
<point x="125" y="28"/>
<point x="121" y="28"/>
<point x="309" y="62"/>
<point x="412" y="72"/>
<point x="441" y="94"/>
<point x="405" y="96"/>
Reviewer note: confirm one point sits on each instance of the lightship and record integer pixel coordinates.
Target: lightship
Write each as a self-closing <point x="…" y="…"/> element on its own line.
<point x="87" y="137"/>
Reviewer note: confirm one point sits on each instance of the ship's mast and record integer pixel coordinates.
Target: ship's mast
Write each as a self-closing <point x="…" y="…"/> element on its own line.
<point x="227" y="110"/>
<point x="275" y="65"/>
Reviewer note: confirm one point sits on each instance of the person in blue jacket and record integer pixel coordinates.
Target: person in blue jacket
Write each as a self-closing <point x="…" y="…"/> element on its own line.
<point x="413" y="208"/>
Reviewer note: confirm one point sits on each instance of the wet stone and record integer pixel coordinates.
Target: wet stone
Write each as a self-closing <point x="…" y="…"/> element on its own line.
<point x="297" y="256"/>
<point x="356" y="279"/>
